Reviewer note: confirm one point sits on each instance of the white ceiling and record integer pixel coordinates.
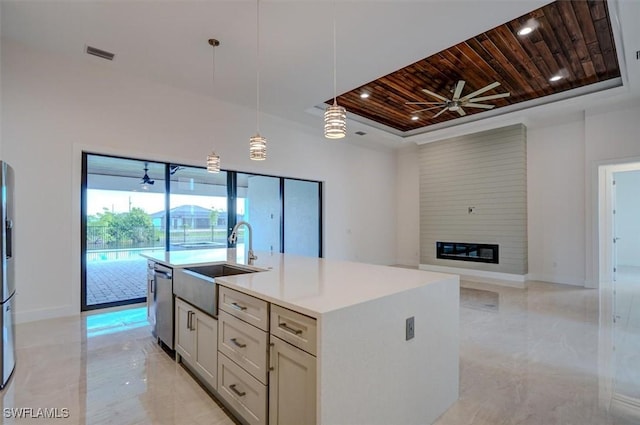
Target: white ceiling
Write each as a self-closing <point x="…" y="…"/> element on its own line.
<point x="166" y="41"/>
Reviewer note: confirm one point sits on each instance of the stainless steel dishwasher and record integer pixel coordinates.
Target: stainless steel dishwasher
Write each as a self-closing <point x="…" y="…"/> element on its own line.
<point x="163" y="278"/>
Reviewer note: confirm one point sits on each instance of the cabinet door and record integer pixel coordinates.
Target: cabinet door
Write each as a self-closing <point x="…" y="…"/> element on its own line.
<point x="184" y="330"/>
<point x="206" y="350"/>
<point x="292" y="385"/>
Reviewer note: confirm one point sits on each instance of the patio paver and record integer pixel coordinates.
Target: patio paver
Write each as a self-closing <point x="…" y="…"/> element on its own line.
<point x="116" y="280"/>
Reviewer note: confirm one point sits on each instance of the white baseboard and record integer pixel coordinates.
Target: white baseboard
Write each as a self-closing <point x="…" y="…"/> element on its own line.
<point x="626" y="407"/>
<point x="45" y="313"/>
<point x="565" y="280"/>
<point x="496" y="278"/>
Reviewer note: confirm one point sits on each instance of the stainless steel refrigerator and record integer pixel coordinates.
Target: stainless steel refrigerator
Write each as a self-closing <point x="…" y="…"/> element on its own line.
<point x="7" y="275"/>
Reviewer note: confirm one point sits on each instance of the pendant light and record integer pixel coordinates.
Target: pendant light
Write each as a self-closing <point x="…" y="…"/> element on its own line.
<point x="257" y="143"/>
<point x="213" y="159"/>
<point x="335" y="117"/>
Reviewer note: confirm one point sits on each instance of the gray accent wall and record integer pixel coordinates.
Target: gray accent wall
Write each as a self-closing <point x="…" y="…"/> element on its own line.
<point x="485" y="171"/>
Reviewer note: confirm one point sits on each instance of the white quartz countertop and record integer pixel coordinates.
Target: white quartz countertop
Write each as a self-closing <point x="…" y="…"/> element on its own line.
<point x="313" y="286"/>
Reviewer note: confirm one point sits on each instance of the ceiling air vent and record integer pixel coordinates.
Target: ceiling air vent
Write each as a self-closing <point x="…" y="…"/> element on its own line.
<point x="360" y="133"/>
<point x="100" y="53"/>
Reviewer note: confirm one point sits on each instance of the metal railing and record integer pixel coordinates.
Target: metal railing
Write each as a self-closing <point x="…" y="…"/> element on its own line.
<point x="101" y="238"/>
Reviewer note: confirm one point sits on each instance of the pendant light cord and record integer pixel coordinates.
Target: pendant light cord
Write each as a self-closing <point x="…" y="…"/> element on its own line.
<point x="334" y="54"/>
<point x="213" y="72"/>
<point x="258" y="66"/>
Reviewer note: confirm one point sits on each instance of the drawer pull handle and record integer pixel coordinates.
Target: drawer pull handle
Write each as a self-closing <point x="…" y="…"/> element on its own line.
<point x="232" y="387"/>
<point x="238" y="306"/>
<point x="290" y="329"/>
<point x="237" y="344"/>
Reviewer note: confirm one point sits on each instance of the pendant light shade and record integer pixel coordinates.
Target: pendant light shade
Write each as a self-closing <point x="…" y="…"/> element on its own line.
<point x="257" y="143"/>
<point x="213" y="159"/>
<point x="335" y="117"/>
<point x="258" y="148"/>
<point x="213" y="163"/>
<point x="335" y="122"/>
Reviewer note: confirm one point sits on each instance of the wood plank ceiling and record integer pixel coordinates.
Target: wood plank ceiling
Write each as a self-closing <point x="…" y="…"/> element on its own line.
<point x="572" y="38"/>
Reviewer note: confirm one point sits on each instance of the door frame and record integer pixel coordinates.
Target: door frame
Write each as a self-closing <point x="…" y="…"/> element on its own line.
<point x="606" y="217"/>
<point x="603" y="277"/>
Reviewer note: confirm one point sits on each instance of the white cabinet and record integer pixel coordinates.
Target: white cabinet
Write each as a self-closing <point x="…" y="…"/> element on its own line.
<point x="248" y="372"/>
<point x="185" y="337"/>
<point x="206" y="347"/>
<point x="295" y="328"/>
<point x="242" y="359"/>
<point x="292" y="377"/>
<point x="196" y="340"/>
<point x="245" y="307"/>
<point x="243" y="392"/>
<point x="244" y="344"/>
<point x="292" y="385"/>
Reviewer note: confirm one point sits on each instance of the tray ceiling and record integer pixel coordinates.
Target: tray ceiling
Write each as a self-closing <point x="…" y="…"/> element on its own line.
<point x="573" y="39"/>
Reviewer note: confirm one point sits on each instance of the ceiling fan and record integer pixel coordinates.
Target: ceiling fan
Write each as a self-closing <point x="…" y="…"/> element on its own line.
<point x="456" y="103"/>
<point x="146" y="180"/>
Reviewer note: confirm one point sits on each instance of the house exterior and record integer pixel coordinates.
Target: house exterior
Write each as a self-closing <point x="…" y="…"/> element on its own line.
<point x="188" y="216"/>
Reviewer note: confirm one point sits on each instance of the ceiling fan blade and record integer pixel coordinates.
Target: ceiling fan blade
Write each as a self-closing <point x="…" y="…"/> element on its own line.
<point x="423" y="103"/>
<point x="440" y="113"/>
<point x="436" y="95"/>
<point x="478" y="105"/>
<point x="493" y="96"/>
<point x="482" y="90"/>
<point x="462" y="112"/>
<point x="458" y="91"/>
<point x="426" y="109"/>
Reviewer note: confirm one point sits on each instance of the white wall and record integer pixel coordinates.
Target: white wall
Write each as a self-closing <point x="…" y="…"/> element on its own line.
<point x="555" y="191"/>
<point x="408" y="201"/>
<point x="54" y="108"/>
<point x="563" y="155"/>
<point x="627" y="218"/>
<point x="611" y="137"/>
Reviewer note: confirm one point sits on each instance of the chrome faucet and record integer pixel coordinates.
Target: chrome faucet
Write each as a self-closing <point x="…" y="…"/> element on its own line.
<point x="234" y="237"/>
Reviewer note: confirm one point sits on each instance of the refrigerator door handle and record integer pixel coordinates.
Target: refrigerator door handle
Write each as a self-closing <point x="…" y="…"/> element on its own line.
<point x="9" y="230"/>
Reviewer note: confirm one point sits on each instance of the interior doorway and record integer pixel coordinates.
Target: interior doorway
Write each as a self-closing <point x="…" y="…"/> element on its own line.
<point x="620" y="277"/>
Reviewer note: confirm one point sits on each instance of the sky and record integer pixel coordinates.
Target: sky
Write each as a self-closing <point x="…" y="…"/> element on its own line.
<point x="119" y="201"/>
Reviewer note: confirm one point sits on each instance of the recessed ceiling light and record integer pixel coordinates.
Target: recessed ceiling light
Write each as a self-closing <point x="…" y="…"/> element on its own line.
<point x="555" y="78"/>
<point x="415" y="118"/>
<point x="525" y="31"/>
<point x="364" y="95"/>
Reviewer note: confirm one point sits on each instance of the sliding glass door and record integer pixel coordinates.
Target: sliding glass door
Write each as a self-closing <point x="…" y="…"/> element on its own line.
<point x="302" y="211"/>
<point x="132" y="206"/>
<point x="258" y="203"/>
<point x="197" y="208"/>
<point x="120" y="222"/>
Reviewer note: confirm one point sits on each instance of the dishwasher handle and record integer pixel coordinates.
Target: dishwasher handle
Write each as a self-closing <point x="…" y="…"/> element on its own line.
<point x="163" y="274"/>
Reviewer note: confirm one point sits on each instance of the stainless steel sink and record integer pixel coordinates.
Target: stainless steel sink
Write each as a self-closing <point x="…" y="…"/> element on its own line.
<point x="197" y="285"/>
<point x="217" y="270"/>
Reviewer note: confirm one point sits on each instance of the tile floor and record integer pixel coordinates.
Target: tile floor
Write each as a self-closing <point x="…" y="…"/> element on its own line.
<point x="537" y="356"/>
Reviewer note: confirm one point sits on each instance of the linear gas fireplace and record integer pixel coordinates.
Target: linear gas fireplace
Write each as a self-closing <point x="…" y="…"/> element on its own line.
<point x="463" y="251"/>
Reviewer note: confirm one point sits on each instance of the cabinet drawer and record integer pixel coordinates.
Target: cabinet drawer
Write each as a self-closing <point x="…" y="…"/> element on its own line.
<point x="244" y="344"/>
<point x="243" y="392"/>
<point x="245" y="307"/>
<point x="295" y="328"/>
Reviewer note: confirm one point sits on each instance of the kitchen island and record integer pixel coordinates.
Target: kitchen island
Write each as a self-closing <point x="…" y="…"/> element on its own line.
<point x="370" y="364"/>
